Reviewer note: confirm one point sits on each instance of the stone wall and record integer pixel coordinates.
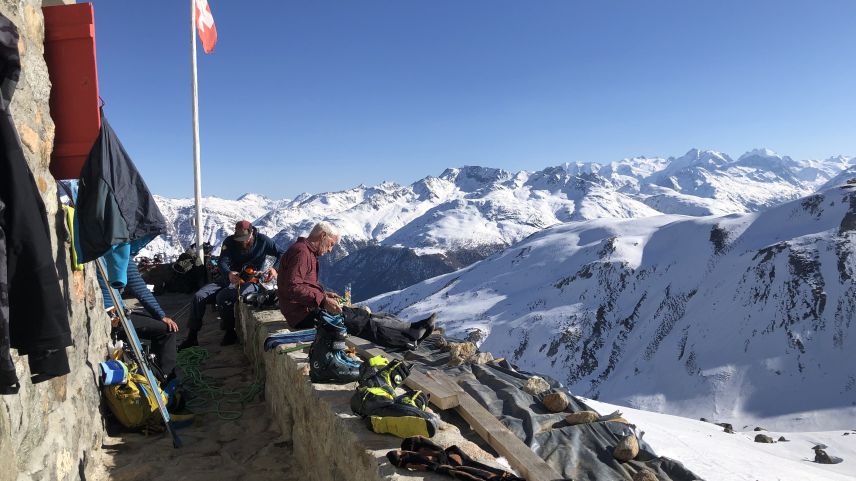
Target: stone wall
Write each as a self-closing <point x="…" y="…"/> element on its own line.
<point x="329" y="440"/>
<point x="49" y="430"/>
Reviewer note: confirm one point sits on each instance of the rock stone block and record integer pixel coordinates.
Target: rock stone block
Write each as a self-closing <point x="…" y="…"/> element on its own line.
<point x="556" y="401"/>
<point x="535" y="385"/>
<point x="626" y="449"/>
<point x="581" y="417"/>
<point x="461" y="352"/>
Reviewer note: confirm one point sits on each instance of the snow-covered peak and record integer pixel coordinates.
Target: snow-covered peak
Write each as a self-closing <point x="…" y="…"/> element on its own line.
<point x="471" y="178"/>
<point x="765" y="158"/>
<point x="697" y="158"/>
<point x="762" y="152"/>
<point x="251" y="197"/>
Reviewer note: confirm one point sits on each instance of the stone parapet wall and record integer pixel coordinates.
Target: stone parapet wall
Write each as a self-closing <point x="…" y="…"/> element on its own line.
<point x="49" y="430"/>
<point x="330" y="442"/>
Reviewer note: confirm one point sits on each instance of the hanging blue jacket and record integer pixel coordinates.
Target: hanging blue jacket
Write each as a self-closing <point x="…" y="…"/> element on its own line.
<point x="137" y="288"/>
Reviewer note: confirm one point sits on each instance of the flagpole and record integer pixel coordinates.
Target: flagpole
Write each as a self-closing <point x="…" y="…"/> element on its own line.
<point x="197" y="166"/>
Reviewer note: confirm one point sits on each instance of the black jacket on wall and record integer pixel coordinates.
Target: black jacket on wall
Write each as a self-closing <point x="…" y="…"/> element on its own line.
<point x="114" y="204"/>
<point x="37" y="312"/>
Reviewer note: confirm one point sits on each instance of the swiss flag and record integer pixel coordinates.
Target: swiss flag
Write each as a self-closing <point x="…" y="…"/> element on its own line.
<point x="205" y="25"/>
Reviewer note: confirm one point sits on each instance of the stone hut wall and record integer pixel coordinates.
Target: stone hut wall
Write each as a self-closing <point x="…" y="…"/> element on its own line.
<point x="50" y="430"/>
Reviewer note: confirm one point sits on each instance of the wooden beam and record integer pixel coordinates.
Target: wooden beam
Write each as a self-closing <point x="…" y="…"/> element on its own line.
<point x="439" y="395"/>
<point x="500" y="438"/>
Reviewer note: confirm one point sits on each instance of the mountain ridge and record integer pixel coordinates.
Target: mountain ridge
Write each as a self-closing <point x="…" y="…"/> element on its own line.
<point x="482" y="209"/>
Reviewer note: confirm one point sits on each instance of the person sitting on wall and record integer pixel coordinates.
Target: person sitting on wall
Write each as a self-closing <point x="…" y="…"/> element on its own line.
<point x="245" y="248"/>
<point x="151" y="324"/>
<point x="302" y="298"/>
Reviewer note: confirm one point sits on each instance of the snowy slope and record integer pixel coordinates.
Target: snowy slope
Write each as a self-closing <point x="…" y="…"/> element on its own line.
<point x="715" y="455"/>
<point x="848" y="174"/>
<point x="745" y="318"/>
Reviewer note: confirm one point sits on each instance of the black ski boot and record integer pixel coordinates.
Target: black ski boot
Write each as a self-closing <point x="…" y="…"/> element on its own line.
<point x="328" y="362"/>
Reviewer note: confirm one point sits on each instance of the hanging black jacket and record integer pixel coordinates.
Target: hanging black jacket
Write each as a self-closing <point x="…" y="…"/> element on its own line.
<point x="114" y="204"/>
<point x="8" y="377"/>
<point x="38" y="315"/>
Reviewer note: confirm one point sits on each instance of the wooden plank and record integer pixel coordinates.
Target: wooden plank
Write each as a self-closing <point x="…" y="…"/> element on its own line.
<point x="439" y="395"/>
<point x="365" y="349"/>
<point x="500" y="438"/>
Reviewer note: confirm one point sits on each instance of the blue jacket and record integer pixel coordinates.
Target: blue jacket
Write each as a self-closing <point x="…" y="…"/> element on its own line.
<point x="137" y="288"/>
<point x="234" y="258"/>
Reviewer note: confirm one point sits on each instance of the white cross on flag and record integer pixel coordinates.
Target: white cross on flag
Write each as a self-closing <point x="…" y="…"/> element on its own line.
<point x="205" y="25"/>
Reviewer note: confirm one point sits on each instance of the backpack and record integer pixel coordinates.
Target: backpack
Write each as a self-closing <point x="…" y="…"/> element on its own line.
<point x="130" y="402"/>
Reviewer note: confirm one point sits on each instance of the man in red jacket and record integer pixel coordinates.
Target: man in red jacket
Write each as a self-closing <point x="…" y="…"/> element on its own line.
<point x="300" y="293"/>
<point x="301" y="296"/>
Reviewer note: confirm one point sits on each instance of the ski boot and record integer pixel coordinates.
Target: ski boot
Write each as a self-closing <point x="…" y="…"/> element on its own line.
<point x="375" y="400"/>
<point x="328" y="362"/>
<point x="382" y="373"/>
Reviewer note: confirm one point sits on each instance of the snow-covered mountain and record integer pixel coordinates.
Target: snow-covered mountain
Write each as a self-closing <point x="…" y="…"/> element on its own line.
<point x="746" y="318"/>
<point x="467" y="213"/>
<point x="218" y="216"/>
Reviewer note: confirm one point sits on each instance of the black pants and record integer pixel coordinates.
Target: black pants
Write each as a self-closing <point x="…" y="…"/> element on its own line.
<point x="382" y="329"/>
<point x="163" y="341"/>
<point x="223" y="297"/>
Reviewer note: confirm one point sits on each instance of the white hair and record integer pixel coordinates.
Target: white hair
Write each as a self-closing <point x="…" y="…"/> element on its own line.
<point x="323" y="227"/>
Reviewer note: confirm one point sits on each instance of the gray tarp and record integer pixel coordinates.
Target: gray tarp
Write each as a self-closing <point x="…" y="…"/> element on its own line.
<point x="581" y="452"/>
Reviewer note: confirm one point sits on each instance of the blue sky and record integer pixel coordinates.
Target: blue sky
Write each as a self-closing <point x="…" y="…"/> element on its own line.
<point x="324" y="95"/>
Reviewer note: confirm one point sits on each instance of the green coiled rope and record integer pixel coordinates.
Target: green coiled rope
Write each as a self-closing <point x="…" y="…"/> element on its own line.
<point x="208" y="391"/>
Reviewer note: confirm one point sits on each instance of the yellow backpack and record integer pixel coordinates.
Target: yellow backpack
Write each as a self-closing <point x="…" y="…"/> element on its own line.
<point x="131" y="403"/>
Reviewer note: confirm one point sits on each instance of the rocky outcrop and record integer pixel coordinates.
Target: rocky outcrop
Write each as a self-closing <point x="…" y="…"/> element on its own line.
<point x="49" y="430"/>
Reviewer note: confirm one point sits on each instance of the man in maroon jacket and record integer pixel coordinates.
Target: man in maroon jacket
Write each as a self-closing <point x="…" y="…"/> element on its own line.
<point x="301" y="296"/>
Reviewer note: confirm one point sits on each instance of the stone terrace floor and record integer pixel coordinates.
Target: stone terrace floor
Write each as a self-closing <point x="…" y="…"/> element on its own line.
<point x="249" y="448"/>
